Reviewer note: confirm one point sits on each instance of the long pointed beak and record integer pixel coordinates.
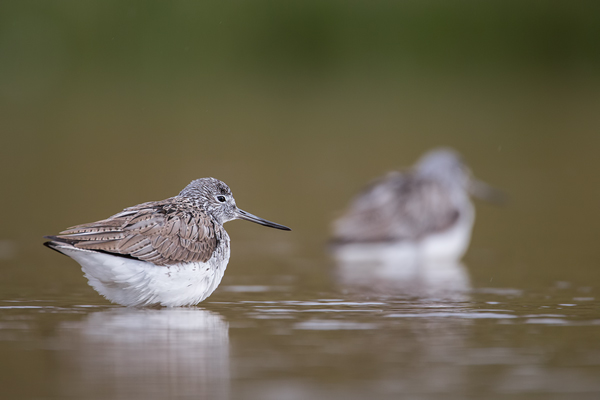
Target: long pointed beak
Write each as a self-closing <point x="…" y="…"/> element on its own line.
<point x="486" y="192"/>
<point x="241" y="214"/>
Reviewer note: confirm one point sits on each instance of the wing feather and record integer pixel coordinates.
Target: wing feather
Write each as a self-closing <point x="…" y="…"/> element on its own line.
<point x="397" y="207"/>
<point x="164" y="232"/>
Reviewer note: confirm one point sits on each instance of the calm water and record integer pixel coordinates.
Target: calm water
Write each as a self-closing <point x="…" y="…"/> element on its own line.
<point x="296" y="108"/>
<point x="520" y="318"/>
<point x="272" y="342"/>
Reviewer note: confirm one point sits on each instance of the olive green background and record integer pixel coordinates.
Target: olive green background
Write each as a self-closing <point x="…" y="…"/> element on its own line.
<point x="296" y="105"/>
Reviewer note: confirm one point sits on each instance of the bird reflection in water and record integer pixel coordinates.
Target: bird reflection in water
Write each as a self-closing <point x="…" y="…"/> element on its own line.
<point x="147" y="354"/>
<point x="405" y="233"/>
<point x="379" y="271"/>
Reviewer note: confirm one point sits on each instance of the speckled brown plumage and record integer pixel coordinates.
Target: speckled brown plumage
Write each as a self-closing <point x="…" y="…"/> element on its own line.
<point x="162" y="232"/>
<point x="172" y="252"/>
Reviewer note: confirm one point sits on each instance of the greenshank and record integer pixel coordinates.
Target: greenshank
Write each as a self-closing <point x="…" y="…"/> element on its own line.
<point x="170" y="253"/>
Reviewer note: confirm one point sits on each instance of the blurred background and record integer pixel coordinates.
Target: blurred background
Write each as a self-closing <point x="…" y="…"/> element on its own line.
<point x="296" y="105"/>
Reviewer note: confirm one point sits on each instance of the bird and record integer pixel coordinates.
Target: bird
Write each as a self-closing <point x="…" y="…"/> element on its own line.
<point x="167" y="253"/>
<point x="424" y="213"/>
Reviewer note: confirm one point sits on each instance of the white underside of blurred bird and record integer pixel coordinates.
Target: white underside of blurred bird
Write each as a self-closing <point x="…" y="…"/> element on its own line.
<point x="450" y="244"/>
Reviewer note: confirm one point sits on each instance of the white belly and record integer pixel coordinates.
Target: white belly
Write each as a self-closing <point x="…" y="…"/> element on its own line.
<point x="450" y="244"/>
<point x="132" y="282"/>
<point x="428" y="267"/>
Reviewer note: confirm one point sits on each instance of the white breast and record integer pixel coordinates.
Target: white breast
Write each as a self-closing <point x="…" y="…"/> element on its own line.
<point x="447" y="245"/>
<point x="132" y="282"/>
<point x="452" y="243"/>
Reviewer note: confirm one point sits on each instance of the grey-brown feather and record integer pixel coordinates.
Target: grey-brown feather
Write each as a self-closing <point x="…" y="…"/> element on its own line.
<point x="164" y="232"/>
<point x="399" y="206"/>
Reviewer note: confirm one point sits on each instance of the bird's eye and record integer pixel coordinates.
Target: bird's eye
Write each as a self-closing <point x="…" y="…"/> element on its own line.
<point x="221" y="199"/>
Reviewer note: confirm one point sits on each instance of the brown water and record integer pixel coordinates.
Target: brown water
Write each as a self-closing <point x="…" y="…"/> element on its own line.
<point x="121" y="113"/>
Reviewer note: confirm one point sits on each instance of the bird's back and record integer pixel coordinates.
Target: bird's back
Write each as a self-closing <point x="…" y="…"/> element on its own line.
<point x="163" y="232"/>
<point x="398" y="207"/>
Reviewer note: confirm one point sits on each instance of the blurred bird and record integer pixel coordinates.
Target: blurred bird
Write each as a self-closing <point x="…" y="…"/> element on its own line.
<point x="171" y="252"/>
<point x="425" y="213"/>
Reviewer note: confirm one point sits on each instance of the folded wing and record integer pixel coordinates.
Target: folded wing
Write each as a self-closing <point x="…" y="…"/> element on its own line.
<point x="395" y="208"/>
<point x="158" y="232"/>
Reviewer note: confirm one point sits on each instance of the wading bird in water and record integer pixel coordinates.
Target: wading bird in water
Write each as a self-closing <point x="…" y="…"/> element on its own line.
<point x="170" y="253"/>
<point x="423" y="214"/>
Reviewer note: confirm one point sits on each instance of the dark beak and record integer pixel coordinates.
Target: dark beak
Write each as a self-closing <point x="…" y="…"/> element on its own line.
<point x="483" y="191"/>
<point x="241" y="214"/>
